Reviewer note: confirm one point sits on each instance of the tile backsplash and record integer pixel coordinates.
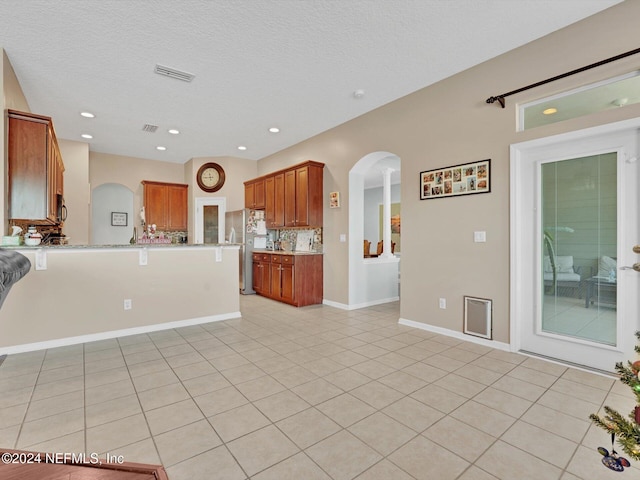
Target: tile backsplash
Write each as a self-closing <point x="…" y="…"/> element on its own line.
<point x="291" y="235"/>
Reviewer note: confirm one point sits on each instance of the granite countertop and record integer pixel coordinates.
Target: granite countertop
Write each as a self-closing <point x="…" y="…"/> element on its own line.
<point x="285" y="252"/>
<point x="122" y="246"/>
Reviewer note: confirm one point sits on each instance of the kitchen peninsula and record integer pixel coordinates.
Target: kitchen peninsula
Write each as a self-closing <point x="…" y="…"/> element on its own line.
<point x="76" y="294"/>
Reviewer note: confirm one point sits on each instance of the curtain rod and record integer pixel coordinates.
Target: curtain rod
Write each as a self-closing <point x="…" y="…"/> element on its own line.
<point x="500" y="98"/>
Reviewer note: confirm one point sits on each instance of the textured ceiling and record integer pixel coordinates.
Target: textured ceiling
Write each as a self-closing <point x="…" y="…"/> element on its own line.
<point x="293" y="64"/>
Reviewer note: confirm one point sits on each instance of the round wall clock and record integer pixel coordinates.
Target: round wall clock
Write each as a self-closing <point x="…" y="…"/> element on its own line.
<point x="210" y="177"/>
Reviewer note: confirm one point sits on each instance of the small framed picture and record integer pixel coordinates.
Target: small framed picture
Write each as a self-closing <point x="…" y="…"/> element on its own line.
<point x="119" y="219"/>
<point x="334" y="200"/>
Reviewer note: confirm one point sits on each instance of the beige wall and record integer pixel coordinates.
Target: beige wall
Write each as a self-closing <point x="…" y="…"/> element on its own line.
<point x="447" y="124"/>
<point x="130" y="171"/>
<point x="76" y="193"/>
<point x="83" y="290"/>
<point x="13" y="98"/>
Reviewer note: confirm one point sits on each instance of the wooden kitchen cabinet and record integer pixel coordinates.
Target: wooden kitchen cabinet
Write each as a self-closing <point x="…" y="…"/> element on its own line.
<point x="306" y="182"/>
<point x="290" y="197"/>
<point x="166" y="205"/>
<point x="274" y="201"/>
<point x="261" y="273"/>
<point x="35" y="169"/>
<point x="292" y="279"/>
<point x="254" y="194"/>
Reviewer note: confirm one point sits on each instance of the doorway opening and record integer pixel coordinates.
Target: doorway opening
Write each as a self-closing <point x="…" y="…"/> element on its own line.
<point x="375" y="280"/>
<point x="209" y="219"/>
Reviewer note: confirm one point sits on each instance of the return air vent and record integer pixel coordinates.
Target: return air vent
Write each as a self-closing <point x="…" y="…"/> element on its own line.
<point x="150" y="128"/>
<point x="173" y="73"/>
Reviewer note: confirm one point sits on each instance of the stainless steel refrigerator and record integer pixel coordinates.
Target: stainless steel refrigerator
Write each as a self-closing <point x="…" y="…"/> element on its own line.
<point x="241" y="227"/>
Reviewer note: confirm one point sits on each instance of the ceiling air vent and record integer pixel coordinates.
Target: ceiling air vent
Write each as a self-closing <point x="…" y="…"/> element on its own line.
<point x="173" y="73"/>
<point x="149" y="128"/>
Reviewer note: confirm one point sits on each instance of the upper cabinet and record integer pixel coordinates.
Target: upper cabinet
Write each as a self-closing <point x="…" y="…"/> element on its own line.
<point x="254" y="194"/>
<point x="35" y="169"/>
<point x="292" y="197"/>
<point x="166" y="205"/>
<point x="274" y="201"/>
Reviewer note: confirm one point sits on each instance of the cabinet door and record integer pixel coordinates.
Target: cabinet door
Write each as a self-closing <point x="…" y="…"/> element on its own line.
<point x="302" y="196"/>
<point x="257" y="276"/>
<point x="276" y="274"/>
<point x="290" y="198"/>
<point x="27" y="169"/>
<point x="52" y="175"/>
<point x="249" y="195"/>
<point x="287" y="282"/>
<point x="270" y="201"/>
<point x="274" y="201"/>
<point x="278" y="220"/>
<point x="178" y="210"/>
<point x="259" y="194"/>
<point x="156" y="205"/>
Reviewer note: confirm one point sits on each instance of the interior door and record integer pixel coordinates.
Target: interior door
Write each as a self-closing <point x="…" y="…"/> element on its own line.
<point x="575" y="296"/>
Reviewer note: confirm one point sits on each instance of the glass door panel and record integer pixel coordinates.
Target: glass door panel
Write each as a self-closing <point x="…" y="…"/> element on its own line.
<point x="579" y="248"/>
<point x="210" y="222"/>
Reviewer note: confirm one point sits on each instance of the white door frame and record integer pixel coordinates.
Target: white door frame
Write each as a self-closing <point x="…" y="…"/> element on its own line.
<point x="198" y="220"/>
<point x="523" y="229"/>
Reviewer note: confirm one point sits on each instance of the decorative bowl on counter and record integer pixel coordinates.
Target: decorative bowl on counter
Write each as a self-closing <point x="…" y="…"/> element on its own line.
<point x="32" y="242"/>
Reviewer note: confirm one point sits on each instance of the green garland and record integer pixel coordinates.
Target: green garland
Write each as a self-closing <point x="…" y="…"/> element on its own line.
<point x="628" y="432"/>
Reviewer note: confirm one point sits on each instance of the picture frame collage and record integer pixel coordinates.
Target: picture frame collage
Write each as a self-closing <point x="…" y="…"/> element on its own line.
<point x="463" y="179"/>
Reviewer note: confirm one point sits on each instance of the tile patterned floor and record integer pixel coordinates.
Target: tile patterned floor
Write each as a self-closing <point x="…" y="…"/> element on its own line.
<point x="311" y="393"/>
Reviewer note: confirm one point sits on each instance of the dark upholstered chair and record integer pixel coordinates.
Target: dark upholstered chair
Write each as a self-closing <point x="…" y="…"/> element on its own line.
<point x="13" y="266"/>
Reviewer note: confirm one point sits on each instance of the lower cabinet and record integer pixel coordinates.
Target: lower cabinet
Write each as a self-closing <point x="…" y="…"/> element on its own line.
<point x="293" y="279"/>
<point x="261" y="273"/>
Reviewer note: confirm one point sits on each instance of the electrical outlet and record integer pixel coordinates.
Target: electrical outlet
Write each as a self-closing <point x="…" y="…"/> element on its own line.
<point x="127" y="304"/>
<point x="443" y="303"/>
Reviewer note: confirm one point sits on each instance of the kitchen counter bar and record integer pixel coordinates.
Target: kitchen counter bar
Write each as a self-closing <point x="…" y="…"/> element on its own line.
<point x="123" y="246"/>
<point x="76" y="294"/>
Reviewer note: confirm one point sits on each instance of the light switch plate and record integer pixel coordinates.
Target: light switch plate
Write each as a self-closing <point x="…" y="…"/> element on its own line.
<point x="343" y="237"/>
<point x="479" y="237"/>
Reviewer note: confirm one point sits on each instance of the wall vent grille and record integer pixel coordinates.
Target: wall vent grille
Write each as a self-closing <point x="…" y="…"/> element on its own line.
<point x="150" y="128"/>
<point x="173" y="73"/>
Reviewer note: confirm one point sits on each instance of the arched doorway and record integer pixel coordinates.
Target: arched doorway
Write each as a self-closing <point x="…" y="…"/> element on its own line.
<point x="371" y="280"/>
<point x="107" y="199"/>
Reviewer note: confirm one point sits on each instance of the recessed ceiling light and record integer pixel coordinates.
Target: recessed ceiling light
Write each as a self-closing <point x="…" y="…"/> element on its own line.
<point x="550" y="111"/>
<point x="161" y="148"/>
<point x="86" y="135"/>
<point x="173" y="131"/>
<point x="87" y="114"/>
<point x="274" y="129"/>
<point x="242" y="147"/>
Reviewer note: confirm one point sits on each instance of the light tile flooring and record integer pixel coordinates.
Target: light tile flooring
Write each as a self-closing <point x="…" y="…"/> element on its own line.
<point x="311" y="393"/>
<point x="568" y="316"/>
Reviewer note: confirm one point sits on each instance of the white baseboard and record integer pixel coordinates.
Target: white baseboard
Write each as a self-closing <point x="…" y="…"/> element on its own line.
<point x="356" y="306"/>
<point x="93" y="337"/>
<point x="459" y="335"/>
